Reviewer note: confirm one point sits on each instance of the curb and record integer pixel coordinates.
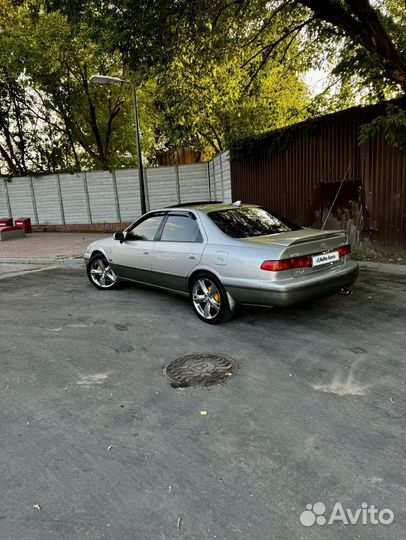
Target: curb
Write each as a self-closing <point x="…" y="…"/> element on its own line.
<point x="384" y="268"/>
<point x="59" y="261"/>
<point x="28" y="271"/>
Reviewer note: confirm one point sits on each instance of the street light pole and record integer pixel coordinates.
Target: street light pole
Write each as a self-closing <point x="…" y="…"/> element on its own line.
<point x="139" y="154"/>
<point x="105" y="79"/>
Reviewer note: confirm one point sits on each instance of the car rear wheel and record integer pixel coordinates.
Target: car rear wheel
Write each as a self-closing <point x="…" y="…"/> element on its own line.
<point x="100" y="273"/>
<point x="209" y="299"/>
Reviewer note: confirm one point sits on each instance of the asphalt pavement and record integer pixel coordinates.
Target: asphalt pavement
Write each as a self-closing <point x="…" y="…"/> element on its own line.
<point x="95" y="443"/>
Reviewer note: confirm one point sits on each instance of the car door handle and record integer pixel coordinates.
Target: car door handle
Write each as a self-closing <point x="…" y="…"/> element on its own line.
<point x="192" y="257"/>
<point x="146" y="252"/>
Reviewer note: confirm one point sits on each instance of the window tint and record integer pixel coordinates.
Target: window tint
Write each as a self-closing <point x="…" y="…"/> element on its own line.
<point x="145" y="230"/>
<point x="180" y="229"/>
<point x="248" y="222"/>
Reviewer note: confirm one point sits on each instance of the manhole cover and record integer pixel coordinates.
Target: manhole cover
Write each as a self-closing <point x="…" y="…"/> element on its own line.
<point x="200" y="370"/>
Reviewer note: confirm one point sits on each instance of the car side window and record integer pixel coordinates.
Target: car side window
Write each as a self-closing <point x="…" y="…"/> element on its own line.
<point x="181" y="229"/>
<point x="146" y="230"/>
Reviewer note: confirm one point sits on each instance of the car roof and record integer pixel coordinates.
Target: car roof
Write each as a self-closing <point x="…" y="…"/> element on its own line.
<point x="210" y="207"/>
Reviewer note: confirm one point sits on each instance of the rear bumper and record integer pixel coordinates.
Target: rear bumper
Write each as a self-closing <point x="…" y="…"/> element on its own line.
<point x="275" y="294"/>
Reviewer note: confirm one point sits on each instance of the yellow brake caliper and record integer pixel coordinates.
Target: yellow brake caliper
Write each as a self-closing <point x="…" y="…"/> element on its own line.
<point x="216" y="296"/>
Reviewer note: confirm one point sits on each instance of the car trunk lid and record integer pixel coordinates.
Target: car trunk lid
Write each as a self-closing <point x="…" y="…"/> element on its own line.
<point x="322" y="246"/>
<point x="302" y="236"/>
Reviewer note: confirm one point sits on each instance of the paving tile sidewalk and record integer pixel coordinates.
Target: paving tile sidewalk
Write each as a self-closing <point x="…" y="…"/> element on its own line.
<point x="47" y="246"/>
<point x="59" y="247"/>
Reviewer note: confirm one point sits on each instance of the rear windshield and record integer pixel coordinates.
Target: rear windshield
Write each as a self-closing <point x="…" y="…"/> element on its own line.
<point x="247" y="222"/>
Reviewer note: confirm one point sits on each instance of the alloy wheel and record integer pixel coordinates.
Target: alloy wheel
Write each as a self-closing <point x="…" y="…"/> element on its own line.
<point x="102" y="274"/>
<point x="206" y="298"/>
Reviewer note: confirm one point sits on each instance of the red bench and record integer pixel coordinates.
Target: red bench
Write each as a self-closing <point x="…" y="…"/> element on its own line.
<point x="8" y="233"/>
<point x="6" y="222"/>
<point x="24" y="223"/>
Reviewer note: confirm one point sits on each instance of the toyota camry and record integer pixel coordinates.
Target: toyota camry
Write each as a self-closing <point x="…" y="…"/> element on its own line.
<point x="222" y="255"/>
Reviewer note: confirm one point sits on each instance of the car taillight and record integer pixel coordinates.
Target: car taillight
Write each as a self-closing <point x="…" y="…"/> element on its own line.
<point x="344" y="250"/>
<point x="301" y="262"/>
<point x="287" y="264"/>
<point x="276" y="266"/>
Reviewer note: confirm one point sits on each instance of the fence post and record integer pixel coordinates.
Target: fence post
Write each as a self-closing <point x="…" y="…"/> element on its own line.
<point x="178" y="200"/>
<point x="10" y="214"/>
<point x="58" y="183"/>
<point x="89" y="210"/>
<point x="214" y="179"/>
<point x="221" y="177"/>
<point x="117" y="201"/>
<point x="34" y="202"/>
<point x="208" y="179"/>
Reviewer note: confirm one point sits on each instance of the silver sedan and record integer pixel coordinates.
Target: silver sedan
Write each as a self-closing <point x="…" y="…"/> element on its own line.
<point x="224" y="255"/>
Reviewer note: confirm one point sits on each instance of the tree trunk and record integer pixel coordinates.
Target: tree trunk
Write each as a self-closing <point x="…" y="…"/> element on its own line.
<point x="9" y="161"/>
<point x="362" y="24"/>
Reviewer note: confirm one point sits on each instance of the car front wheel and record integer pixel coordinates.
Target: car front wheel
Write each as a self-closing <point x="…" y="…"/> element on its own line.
<point x="100" y="273"/>
<point x="209" y="299"/>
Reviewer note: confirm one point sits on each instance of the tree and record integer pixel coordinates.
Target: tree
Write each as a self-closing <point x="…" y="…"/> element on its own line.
<point x="207" y="71"/>
<point x="366" y="49"/>
<point x="192" y="55"/>
<point x="26" y="131"/>
<point x="205" y="103"/>
<point x="150" y="33"/>
<point x="363" y="45"/>
<point x="50" y="117"/>
<point x="60" y="65"/>
<point x="376" y="31"/>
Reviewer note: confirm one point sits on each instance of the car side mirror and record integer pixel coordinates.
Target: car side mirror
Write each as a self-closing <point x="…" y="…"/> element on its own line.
<point x="119" y="236"/>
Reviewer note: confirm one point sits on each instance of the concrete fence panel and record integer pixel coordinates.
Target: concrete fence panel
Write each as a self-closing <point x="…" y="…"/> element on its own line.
<point x="161" y="182"/>
<point x="111" y="197"/>
<point x="220" y="177"/>
<point x="194" y="182"/>
<point x="21" y="198"/>
<point x="74" y="198"/>
<point x="128" y="194"/>
<point x="103" y="208"/>
<point x="46" y="195"/>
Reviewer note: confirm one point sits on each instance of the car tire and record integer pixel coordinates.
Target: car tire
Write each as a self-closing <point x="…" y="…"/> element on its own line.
<point x="100" y="273"/>
<point x="209" y="299"/>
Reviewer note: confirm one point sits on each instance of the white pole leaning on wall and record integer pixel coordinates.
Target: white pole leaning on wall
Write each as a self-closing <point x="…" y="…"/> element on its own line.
<point x="61" y="208"/>
<point x="34" y="202"/>
<point x="10" y="214"/>
<point x="89" y="211"/>
<point x="116" y="199"/>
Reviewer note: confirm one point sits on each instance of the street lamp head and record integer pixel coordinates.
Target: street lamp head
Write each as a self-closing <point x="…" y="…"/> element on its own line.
<point x="105" y="79"/>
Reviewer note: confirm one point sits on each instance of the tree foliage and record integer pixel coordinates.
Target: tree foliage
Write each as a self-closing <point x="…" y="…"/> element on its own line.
<point x="196" y="95"/>
<point x="205" y="104"/>
<point x="57" y="120"/>
<point x="208" y="72"/>
<point x="362" y="44"/>
<point x="150" y="33"/>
